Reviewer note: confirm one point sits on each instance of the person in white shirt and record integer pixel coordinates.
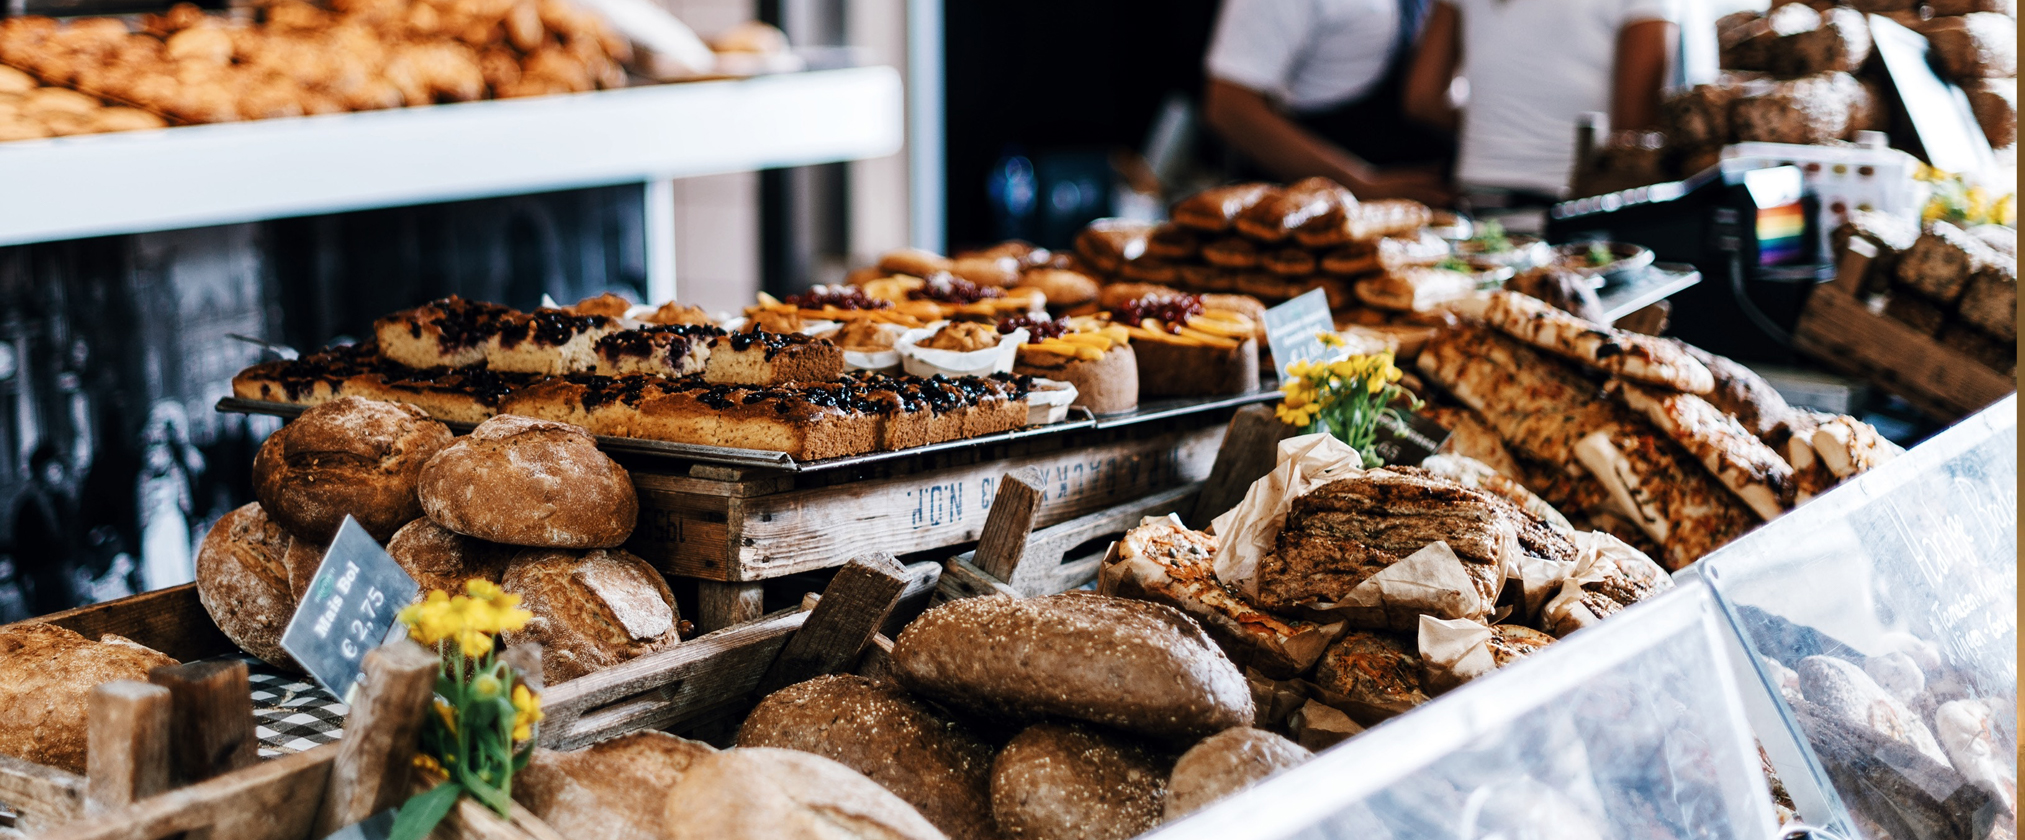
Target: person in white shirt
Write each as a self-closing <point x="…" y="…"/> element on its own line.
<point x="1312" y="87"/>
<point x="1531" y="68"/>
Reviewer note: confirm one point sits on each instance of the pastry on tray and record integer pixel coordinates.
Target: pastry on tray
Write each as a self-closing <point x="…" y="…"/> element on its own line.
<point x="1367" y="221"/>
<point x="1187" y="347"/>
<point x="1276" y="217"/>
<point x="1088" y="352"/>
<point x="1214" y="210"/>
<point x="944" y="296"/>
<point x="1107" y="244"/>
<point x="1414" y="289"/>
<point x="832" y="303"/>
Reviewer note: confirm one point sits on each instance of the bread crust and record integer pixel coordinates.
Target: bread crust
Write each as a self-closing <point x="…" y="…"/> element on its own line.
<point x="922" y="756"/>
<point x="1631" y="356"/>
<point x="522" y="481"/>
<point x="592" y="609"/>
<point x="46" y="675"/>
<point x="348" y="456"/>
<point x="1371" y="675"/>
<point x="1067" y="781"/>
<point x="1214" y="210"/>
<point x="439" y="558"/>
<point x="1134" y="665"/>
<point x="761" y="793"/>
<point x="612" y="790"/>
<point x="243" y="581"/>
<point x="1224" y="764"/>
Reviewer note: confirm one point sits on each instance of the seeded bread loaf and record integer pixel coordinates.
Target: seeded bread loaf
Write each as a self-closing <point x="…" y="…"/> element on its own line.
<point x="522" y="481"/>
<point x="611" y="790"/>
<point x="1226" y="763"/>
<point x="243" y="580"/>
<point x="592" y="609"/>
<point x="46" y="675"/>
<point x="439" y="558"/>
<point x="1941" y="262"/>
<point x="1066" y="781"/>
<point x="349" y="456"/>
<point x="1137" y="666"/>
<point x="922" y="756"/>
<point x="760" y="793"/>
<point x="1371" y="675"/>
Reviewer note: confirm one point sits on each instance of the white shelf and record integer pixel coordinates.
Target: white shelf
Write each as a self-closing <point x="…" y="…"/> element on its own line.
<point x="95" y="185"/>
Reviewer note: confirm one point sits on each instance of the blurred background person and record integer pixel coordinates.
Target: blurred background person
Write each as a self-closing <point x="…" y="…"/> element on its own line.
<point x="1303" y="88"/>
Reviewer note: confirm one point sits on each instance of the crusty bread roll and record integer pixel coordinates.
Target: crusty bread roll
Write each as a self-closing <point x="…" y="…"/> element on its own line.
<point x="522" y="481"/>
<point x="1225" y="763"/>
<point x="439" y="558"/>
<point x="923" y="757"/>
<point x="592" y="609"/>
<point x="611" y="790"/>
<point x="1138" y="666"/>
<point x="760" y="793"/>
<point x="1066" y="781"/>
<point x="348" y="456"/>
<point x="46" y="674"/>
<point x="244" y="576"/>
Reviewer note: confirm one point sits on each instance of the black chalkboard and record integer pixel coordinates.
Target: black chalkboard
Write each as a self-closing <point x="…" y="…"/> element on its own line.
<point x="348" y="610"/>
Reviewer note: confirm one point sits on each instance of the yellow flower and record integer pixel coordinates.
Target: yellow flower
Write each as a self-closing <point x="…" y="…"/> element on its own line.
<point x="481" y="589"/>
<point x="526" y="712"/>
<point x="487" y="686"/>
<point x="448" y="714"/>
<point x="428" y="765"/>
<point x="1330" y="339"/>
<point x="474" y="643"/>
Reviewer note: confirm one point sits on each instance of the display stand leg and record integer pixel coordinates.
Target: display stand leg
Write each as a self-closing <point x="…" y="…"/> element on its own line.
<point x="211" y="731"/>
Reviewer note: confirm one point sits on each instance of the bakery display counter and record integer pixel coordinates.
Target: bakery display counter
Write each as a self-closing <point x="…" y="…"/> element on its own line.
<point x="128" y="182"/>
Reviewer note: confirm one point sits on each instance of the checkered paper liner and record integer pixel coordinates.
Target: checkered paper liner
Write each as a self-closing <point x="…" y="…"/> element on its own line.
<point x="291" y="713"/>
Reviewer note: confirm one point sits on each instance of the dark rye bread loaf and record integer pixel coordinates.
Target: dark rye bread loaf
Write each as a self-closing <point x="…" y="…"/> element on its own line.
<point x="439" y="558"/>
<point x="761" y="793"/>
<point x="348" y="456"/>
<point x="522" y="481"/>
<point x="46" y="675"/>
<point x="244" y="574"/>
<point x="611" y="790"/>
<point x="1069" y="781"/>
<point x="1226" y="763"/>
<point x="1141" y="667"/>
<point x="923" y="757"/>
<point x="592" y="609"/>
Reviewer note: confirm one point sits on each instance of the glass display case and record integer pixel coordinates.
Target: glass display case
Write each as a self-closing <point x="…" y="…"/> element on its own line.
<point x="1881" y="622"/>
<point x="1637" y="730"/>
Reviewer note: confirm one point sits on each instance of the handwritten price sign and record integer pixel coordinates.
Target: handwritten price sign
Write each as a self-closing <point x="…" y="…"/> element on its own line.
<point x="348" y="610"/>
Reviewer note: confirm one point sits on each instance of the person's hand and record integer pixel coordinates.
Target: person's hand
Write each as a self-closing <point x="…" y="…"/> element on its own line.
<point x="1424" y="186"/>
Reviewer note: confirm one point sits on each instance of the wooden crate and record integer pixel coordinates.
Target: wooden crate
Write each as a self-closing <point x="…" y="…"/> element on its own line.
<point x="1837" y="330"/>
<point x="745" y="526"/>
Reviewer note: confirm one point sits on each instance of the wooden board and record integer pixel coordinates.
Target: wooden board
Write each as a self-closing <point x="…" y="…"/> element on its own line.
<point x="719" y="530"/>
<point x="1840" y="332"/>
<point x="171" y="620"/>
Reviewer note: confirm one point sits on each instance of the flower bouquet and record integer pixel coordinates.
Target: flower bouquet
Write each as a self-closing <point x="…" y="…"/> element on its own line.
<point x="1345" y="398"/>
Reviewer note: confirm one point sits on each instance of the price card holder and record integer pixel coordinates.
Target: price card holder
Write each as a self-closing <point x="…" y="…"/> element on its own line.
<point x="379" y="826"/>
<point x="1291" y="329"/>
<point x="1938" y="110"/>
<point x="1409" y="438"/>
<point x="348" y="610"/>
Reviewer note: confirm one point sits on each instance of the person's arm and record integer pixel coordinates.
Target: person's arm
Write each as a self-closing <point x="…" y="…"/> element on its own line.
<point x="1644" y="51"/>
<point x="1433" y="69"/>
<point x="1250" y="123"/>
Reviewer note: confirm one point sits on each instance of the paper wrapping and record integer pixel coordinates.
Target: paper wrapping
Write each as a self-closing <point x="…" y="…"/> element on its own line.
<point x="924" y="361"/>
<point x="1048" y="401"/>
<point x="878" y="361"/>
<point x="1453" y="652"/>
<point x="1318" y="726"/>
<point x="1246" y="533"/>
<point x="1600" y="558"/>
<point x="1431" y="581"/>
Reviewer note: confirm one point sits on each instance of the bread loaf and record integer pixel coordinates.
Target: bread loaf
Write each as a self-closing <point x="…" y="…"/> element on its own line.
<point x="348" y="456"/>
<point x="592" y="609"/>
<point x="1059" y="781"/>
<point x="1982" y="45"/>
<point x="1370" y="676"/>
<point x="1808" y="110"/>
<point x="923" y="757"/>
<point x="760" y="793"/>
<point x="1224" y="764"/>
<point x="1990" y="300"/>
<point x="439" y="558"/>
<point x="1108" y="384"/>
<point x="1137" y="666"/>
<point x="1995" y="104"/>
<point x="46" y="675"/>
<point x="243" y="581"/>
<point x="521" y="481"/>
<point x="1941" y="262"/>
<point x="612" y="790"/>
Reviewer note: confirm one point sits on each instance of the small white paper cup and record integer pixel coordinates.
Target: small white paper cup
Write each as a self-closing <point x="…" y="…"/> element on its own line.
<point x="1049" y="401"/>
<point x="926" y="361"/>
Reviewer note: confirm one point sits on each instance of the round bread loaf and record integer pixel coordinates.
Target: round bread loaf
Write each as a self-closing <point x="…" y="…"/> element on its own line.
<point x="1064" y="781"/>
<point x="613" y="790"/>
<point x="348" y="456"/>
<point x="1225" y="763"/>
<point x="439" y="558"/>
<point x="760" y="793"/>
<point x="592" y="609"/>
<point x="522" y="481"/>
<point x="46" y="675"/>
<point x="245" y="569"/>
<point x="932" y="762"/>
<point x="1131" y="664"/>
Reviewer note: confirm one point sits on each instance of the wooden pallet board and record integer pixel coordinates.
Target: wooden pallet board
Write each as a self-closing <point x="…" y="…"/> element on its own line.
<point x="1837" y="330"/>
<point x="736" y="526"/>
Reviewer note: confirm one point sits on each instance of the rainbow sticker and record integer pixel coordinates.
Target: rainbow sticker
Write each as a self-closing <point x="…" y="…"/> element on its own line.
<point x="1780" y="233"/>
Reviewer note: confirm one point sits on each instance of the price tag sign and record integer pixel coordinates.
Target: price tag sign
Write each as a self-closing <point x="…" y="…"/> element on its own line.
<point x="1291" y="329"/>
<point x="1408" y="439"/>
<point x="348" y="610"/>
<point x="379" y="826"/>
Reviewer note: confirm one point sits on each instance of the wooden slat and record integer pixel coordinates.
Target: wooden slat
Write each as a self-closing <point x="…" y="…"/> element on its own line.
<point x="211" y="718"/>
<point x="1043" y="572"/>
<point x="720" y="605"/>
<point x="42" y="796"/>
<point x="1248" y="450"/>
<point x="1853" y="266"/>
<point x="667" y="690"/>
<point x="171" y="620"/>
<point x="127" y="736"/>
<point x="853" y="608"/>
<point x="1003" y="542"/>
<point x="960" y="579"/>
<point x="1837" y="330"/>
<point x="763" y="537"/>
<point x="371" y="772"/>
<point x="272" y="800"/>
<point x="471" y="820"/>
